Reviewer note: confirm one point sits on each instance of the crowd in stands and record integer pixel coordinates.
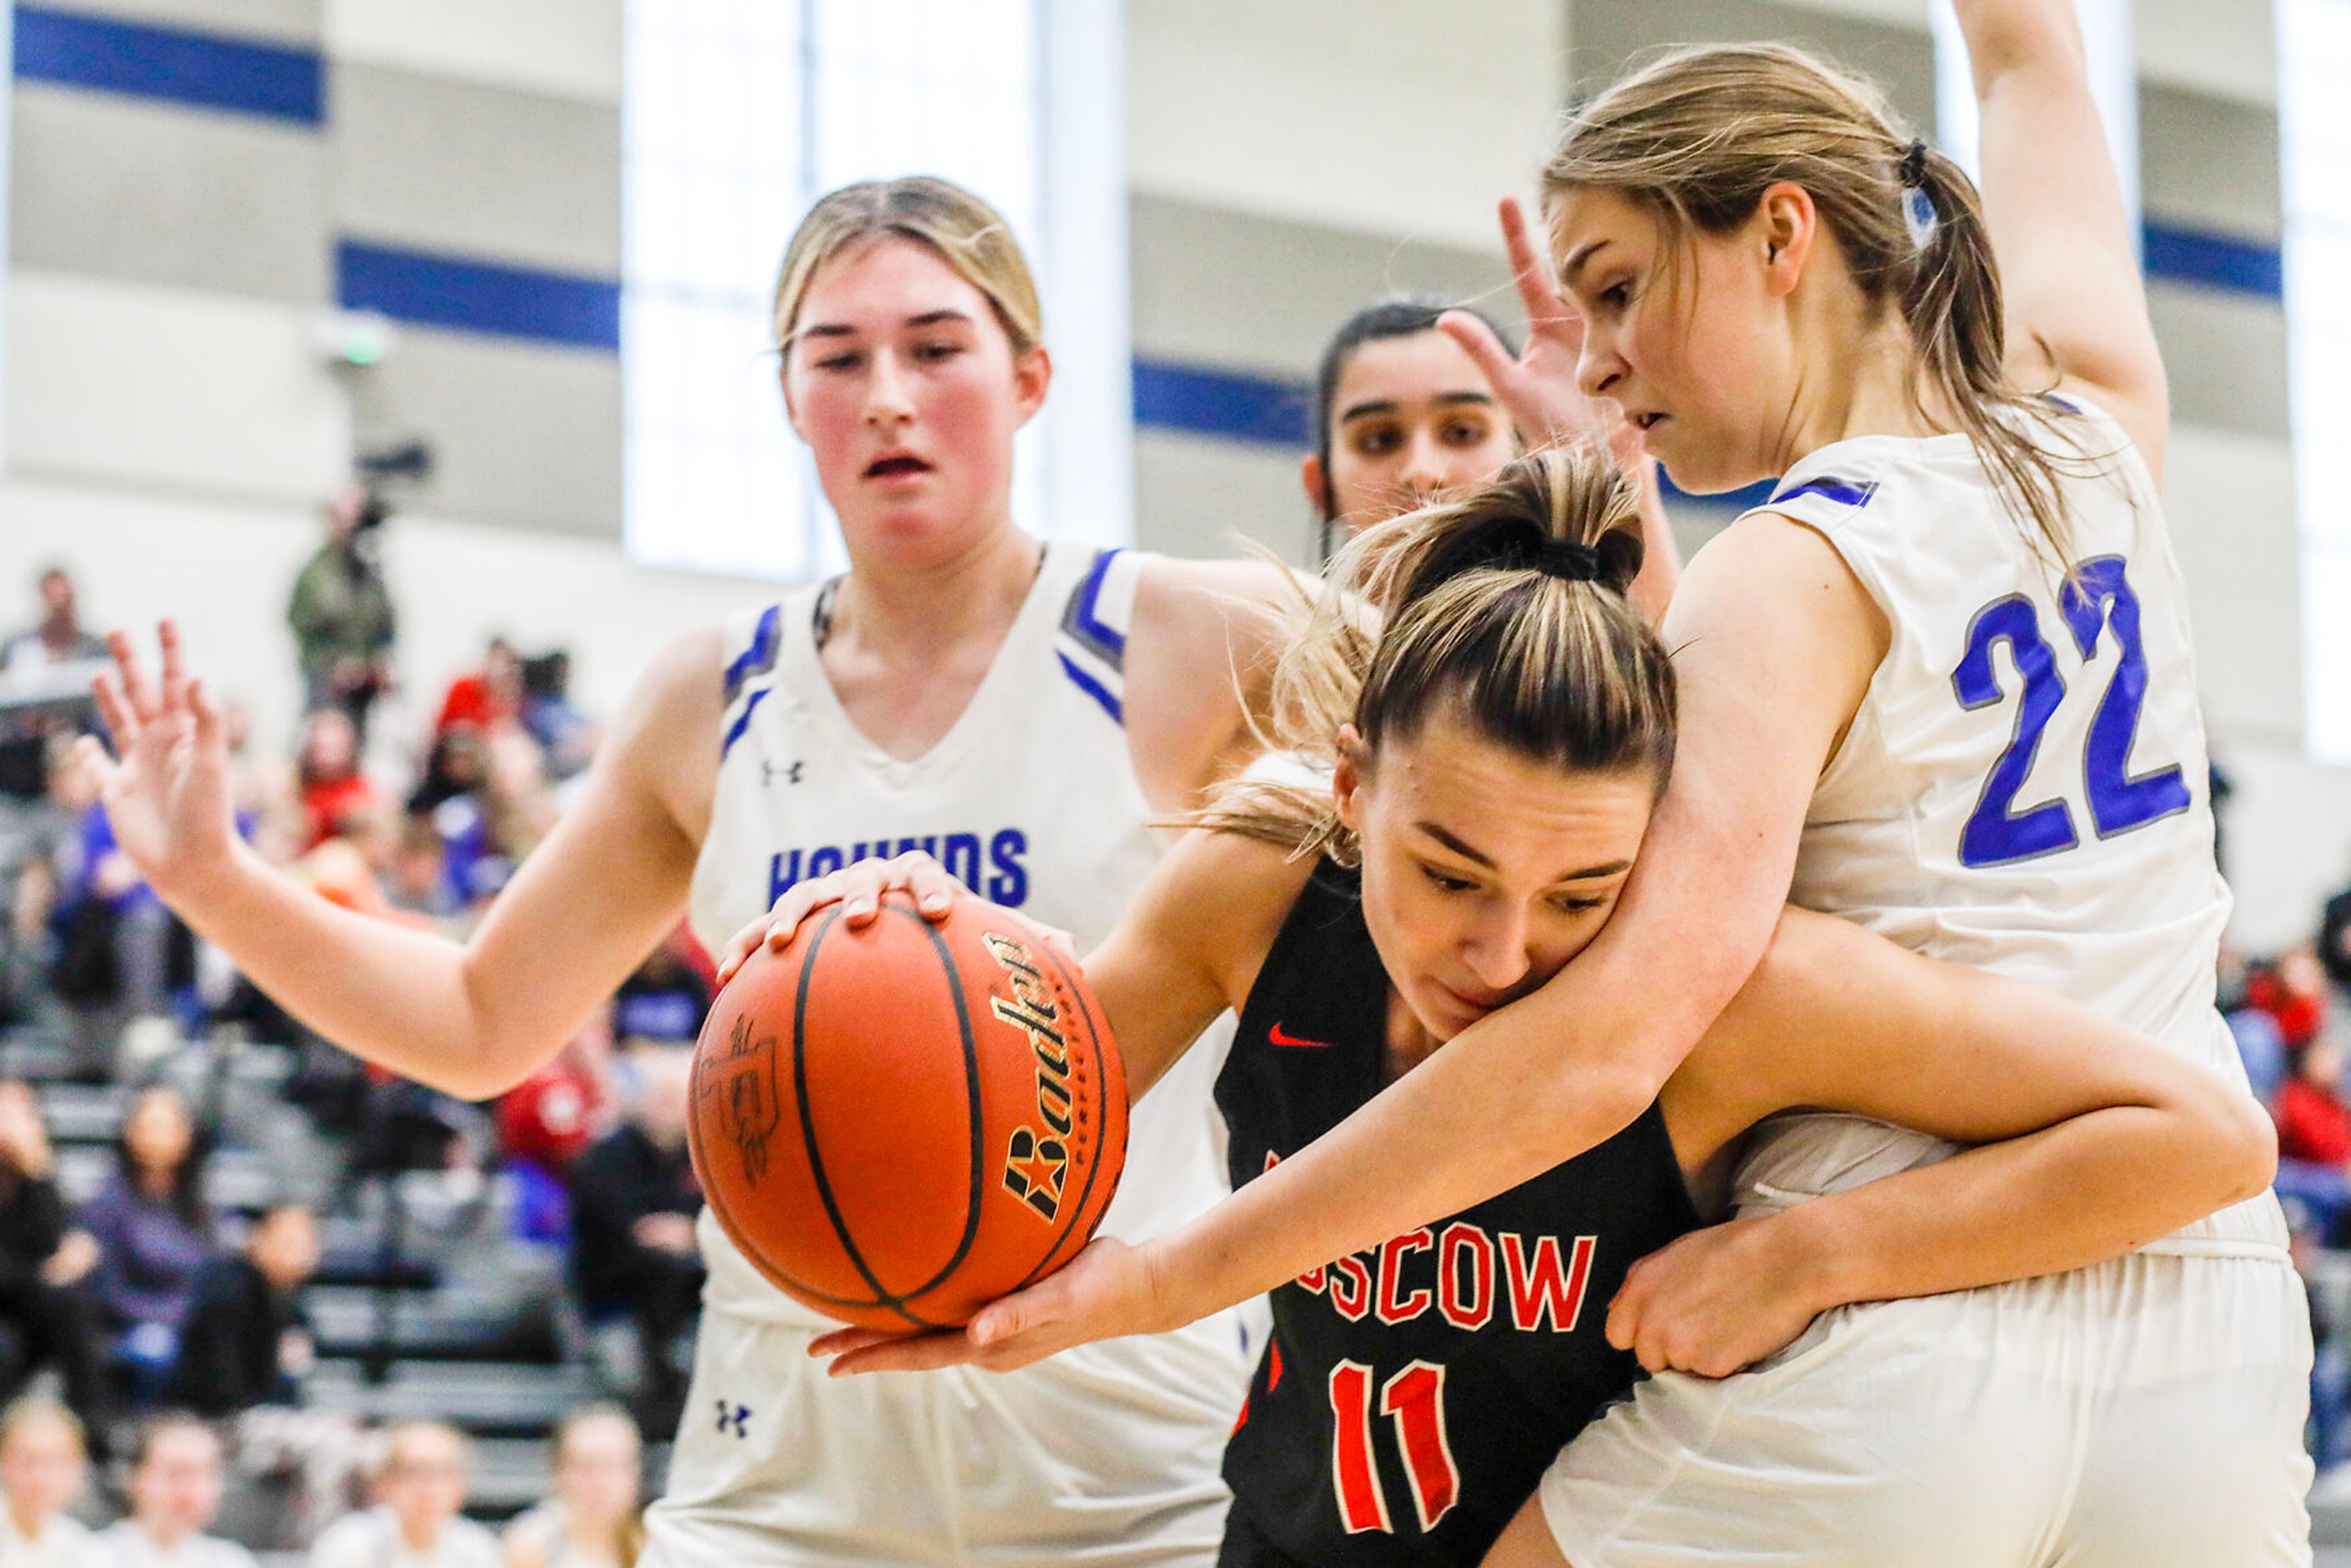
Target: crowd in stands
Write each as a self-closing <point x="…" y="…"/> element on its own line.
<point x="157" y="1345"/>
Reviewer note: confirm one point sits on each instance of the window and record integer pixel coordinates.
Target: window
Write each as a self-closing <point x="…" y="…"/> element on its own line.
<point x="2314" y="137"/>
<point x="738" y="114"/>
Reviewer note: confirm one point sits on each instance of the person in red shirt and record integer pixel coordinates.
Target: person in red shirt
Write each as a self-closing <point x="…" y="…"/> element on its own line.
<point x="332" y="786"/>
<point x="2314" y="1123"/>
<point x="491" y="698"/>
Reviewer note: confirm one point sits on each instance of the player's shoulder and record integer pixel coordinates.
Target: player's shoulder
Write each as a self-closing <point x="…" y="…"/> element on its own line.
<point x="1229" y="893"/>
<point x="1176" y="595"/>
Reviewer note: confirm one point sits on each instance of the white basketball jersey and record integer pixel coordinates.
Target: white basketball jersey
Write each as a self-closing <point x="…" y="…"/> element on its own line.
<point x="1031" y="800"/>
<point x="2023" y="788"/>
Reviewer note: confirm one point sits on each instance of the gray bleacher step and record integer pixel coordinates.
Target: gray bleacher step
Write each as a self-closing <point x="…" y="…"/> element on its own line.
<point x="2330" y="1523"/>
<point x="237" y="1179"/>
<point x="454" y="1321"/>
<point x="82" y="1113"/>
<point x="509" y="1475"/>
<point x="481" y="1395"/>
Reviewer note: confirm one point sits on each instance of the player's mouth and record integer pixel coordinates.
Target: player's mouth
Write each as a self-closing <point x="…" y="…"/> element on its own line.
<point x="896" y="465"/>
<point x="1475" y="1004"/>
<point x="1646" y="423"/>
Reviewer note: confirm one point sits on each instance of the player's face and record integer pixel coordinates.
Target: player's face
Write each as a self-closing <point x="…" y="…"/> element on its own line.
<point x="1484" y="871"/>
<point x="1680" y="331"/>
<point x="1411" y="419"/>
<point x="902" y="383"/>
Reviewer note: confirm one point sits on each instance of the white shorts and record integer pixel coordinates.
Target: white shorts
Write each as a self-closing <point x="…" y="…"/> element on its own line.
<point x="2145" y="1413"/>
<point x="1109" y="1454"/>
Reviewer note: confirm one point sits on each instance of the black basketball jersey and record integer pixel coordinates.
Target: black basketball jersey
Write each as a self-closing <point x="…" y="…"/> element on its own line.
<point x="1412" y="1395"/>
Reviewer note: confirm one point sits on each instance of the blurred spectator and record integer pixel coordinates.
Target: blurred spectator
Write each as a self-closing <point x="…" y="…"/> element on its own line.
<point x="2292" y="991"/>
<point x="327" y="764"/>
<point x="42" y="1463"/>
<point x="56" y="638"/>
<point x="41" y="1261"/>
<point x="562" y="731"/>
<point x="341" y="613"/>
<point x="592" y="1520"/>
<point x="174" y="1490"/>
<point x="417" y="882"/>
<point x="551" y="1116"/>
<point x="154" y="1237"/>
<point x="634" y="1200"/>
<point x="490" y="699"/>
<point x="2314" y="1123"/>
<point x="666" y="997"/>
<point x="244" y="1357"/>
<point x="458" y="764"/>
<point x="120" y="953"/>
<point x="420" y="1489"/>
<point x="2335" y="940"/>
<point x="248" y="1339"/>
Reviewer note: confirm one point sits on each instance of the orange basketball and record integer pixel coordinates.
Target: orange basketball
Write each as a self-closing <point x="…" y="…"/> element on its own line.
<point x="899" y="1124"/>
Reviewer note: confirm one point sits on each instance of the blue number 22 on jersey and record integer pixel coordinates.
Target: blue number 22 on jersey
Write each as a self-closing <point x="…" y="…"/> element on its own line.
<point x="2097" y="596"/>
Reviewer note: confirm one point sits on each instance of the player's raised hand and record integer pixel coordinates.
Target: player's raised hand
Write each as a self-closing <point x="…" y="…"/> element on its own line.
<point x="858" y="888"/>
<point x="1715" y="1301"/>
<point x="166" y="786"/>
<point x="1107" y="1291"/>
<point x="1538" y="386"/>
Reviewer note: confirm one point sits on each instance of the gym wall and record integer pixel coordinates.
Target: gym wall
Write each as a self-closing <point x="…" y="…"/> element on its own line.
<point x="171" y="428"/>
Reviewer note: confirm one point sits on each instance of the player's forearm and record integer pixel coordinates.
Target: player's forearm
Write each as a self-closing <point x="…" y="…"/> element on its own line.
<point x="395" y="997"/>
<point x="2065" y="1198"/>
<point x="2007" y="35"/>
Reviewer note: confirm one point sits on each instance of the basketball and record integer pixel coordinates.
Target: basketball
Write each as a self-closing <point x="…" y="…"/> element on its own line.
<point x="901" y="1123"/>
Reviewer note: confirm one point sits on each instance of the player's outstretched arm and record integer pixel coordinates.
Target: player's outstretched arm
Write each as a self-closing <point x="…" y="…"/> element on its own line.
<point x="472" y="1020"/>
<point x="2096" y="1140"/>
<point x="2075" y="303"/>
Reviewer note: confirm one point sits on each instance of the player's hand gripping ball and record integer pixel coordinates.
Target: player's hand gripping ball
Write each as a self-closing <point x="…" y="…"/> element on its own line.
<point x="901" y="1123"/>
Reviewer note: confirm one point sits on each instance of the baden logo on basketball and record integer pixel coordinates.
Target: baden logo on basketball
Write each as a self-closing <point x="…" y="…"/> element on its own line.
<point x="1036" y="1163"/>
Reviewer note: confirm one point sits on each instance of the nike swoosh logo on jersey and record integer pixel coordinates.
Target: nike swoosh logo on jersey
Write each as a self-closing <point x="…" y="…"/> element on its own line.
<point x="1281" y="1037"/>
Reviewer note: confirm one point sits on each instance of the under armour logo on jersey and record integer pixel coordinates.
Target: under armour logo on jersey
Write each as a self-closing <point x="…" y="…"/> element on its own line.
<point x="792" y="772"/>
<point x="733" y="1418"/>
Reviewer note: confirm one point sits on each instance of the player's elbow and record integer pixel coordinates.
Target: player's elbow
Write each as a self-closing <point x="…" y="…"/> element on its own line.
<point x="2228" y="1137"/>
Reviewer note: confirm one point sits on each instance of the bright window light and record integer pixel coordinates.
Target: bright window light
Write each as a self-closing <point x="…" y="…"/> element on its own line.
<point x="2314" y="137"/>
<point x="740" y="114"/>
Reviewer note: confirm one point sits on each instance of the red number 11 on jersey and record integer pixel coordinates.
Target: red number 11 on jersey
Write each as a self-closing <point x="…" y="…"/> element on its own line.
<point x="1414" y="1399"/>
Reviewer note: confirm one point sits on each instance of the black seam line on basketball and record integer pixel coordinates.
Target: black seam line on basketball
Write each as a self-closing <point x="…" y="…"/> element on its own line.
<point x="1101" y="1090"/>
<point x="975" y="1192"/>
<point x="883" y="1297"/>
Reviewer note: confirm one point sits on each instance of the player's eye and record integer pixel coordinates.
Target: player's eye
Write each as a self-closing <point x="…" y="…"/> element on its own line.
<point x="1376" y="440"/>
<point x="931" y="353"/>
<point x="1445" y="881"/>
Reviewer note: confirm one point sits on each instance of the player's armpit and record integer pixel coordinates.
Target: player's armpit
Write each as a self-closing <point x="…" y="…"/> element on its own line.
<point x="1189" y="945"/>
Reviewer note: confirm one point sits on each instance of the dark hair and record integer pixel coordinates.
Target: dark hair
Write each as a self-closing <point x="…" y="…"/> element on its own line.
<point x="1396" y="316"/>
<point x="187" y="1194"/>
<point x="1505" y="609"/>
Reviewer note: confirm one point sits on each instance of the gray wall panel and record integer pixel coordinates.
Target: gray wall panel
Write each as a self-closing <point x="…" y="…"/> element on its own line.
<point x="2226" y="355"/>
<point x="2209" y="163"/>
<point x="272" y="21"/>
<point x="478" y="170"/>
<point x="520" y="435"/>
<point x="1193" y="495"/>
<point x="1221" y="288"/>
<point x="151" y="192"/>
<point x="1604" y="35"/>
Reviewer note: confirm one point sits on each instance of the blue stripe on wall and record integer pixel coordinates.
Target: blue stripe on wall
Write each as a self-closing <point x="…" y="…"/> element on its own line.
<point x="2206" y="259"/>
<point x="1262" y="410"/>
<point x="206" y="69"/>
<point x="478" y="296"/>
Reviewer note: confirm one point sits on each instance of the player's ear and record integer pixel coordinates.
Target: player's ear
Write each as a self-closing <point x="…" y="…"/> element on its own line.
<point x="1347" y="778"/>
<point x="1310" y="474"/>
